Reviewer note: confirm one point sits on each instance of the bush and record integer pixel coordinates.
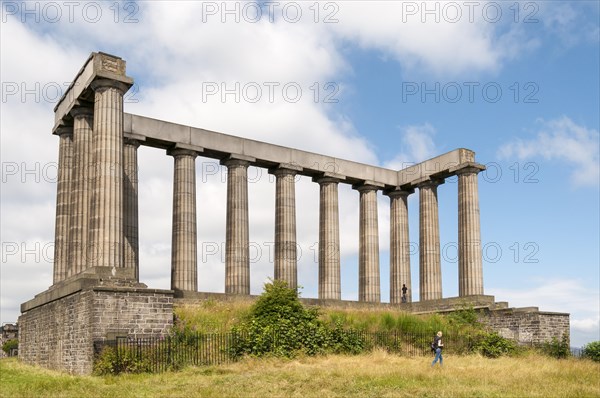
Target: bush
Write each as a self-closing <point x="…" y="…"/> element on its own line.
<point x="557" y="348"/>
<point x="9" y="345"/>
<point x="105" y="363"/>
<point x="464" y="316"/>
<point x="111" y="362"/>
<point x="278" y="324"/>
<point x="592" y="351"/>
<point x="345" y="341"/>
<point x="492" y="345"/>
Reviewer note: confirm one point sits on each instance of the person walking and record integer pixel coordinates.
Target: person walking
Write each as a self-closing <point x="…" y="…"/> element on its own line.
<point x="438" y="345"/>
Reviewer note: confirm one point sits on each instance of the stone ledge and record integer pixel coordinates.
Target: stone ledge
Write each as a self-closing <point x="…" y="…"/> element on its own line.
<point x="121" y="289"/>
<point x="419" y="307"/>
<point x="57" y="292"/>
<point x="524" y="310"/>
<point x="188" y="296"/>
<point x="106" y="278"/>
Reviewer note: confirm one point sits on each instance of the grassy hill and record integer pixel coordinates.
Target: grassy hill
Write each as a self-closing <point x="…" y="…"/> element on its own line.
<point x="219" y="316"/>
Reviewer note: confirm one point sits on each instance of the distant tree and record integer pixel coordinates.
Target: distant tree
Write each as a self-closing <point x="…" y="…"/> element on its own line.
<point x="9" y="345"/>
<point x="592" y="351"/>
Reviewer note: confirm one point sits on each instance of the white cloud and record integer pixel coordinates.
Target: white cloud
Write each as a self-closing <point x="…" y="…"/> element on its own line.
<point x="417" y="145"/>
<point x="586" y="325"/>
<point x="446" y="39"/>
<point x="560" y="295"/>
<point x="568" y="23"/>
<point x="566" y="295"/>
<point x="563" y="140"/>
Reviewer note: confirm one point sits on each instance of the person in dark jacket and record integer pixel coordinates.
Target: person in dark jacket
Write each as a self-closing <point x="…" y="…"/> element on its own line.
<point x="439" y="345"/>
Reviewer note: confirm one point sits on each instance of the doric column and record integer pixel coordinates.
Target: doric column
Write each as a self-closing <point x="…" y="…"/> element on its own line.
<point x="63" y="205"/>
<point x="399" y="246"/>
<point x="184" y="247"/>
<point x="329" y="239"/>
<point x="286" y="265"/>
<point x="83" y="120"/>
<point x="430" y="270"/>
<point x="368" y="248"/>
<point x="106" y="221"/>
<point x="237" y="245"/>
<point x="470" y="268"/>
<point x="130" y="205"/>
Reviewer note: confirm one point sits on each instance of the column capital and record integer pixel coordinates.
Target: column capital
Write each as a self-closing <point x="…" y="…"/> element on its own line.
<point x="329" y="177"/>
<point x="237" y="160"/>
<point x="285" y="169"/>
<point x="398" y="192"/>
<point x="64" y="130"/>
<point x="82" y="111"/>
<point x="468" y="168"/>
<point x="175" y="152"/>
<point x="101" y="85"/>
<point x="326" y="180"/>
<point x="142" y="138"/>
<point x="429" y="182"/>
<point x="234" y="162"/>
<point x="368" y="186"/>
<point x="132" y="141"/>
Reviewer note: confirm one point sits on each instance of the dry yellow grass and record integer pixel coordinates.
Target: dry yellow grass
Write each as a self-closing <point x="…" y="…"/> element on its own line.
<point x="376" y="375"/>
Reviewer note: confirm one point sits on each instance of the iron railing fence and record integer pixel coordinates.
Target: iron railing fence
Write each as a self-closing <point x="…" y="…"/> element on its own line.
<point x="202" y="349"/>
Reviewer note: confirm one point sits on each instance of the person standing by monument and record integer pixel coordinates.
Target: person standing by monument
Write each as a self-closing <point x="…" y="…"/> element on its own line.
<point x="404" y="290"/>
<point x="438" y="345"/>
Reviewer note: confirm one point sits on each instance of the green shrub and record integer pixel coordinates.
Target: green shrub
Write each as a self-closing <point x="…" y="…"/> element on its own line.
<point x="492" y="345"/>
<point x="464" y="316"/>
<point x="278" y="324"/>
<point x="112" y="362"/>
<point x="557" y="348"/>
<point x="592" y="351"/>
<point x="343" y="341"/>
<point x="9" y="345"/>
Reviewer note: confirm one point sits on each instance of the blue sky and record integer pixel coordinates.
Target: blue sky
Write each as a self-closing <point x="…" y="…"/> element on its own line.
<point x="517" y="82"/>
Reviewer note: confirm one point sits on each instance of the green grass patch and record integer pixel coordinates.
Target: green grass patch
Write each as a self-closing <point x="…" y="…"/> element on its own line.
<point x="378" y="374"/>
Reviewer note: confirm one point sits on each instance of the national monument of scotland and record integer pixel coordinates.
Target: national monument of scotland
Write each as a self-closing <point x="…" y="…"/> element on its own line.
<point x="96" y="294"/>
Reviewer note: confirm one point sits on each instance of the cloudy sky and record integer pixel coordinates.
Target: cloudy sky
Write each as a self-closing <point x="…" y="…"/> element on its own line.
<point x="386" y="83"/>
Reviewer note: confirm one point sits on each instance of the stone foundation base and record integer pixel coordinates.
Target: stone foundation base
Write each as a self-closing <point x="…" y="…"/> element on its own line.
<point x="59" y="327"/>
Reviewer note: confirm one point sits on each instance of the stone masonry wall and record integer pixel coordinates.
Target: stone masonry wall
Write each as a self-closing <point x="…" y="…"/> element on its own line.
<point x="528" y="325"/>
<point x="55" y="335"/>
<point x="61" y="334"/>
<point x="130" y="312"/>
